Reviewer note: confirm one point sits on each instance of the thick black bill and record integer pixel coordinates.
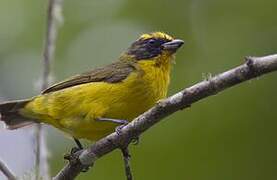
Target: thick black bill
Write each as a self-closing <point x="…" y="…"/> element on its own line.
<point x="173" y="45"/>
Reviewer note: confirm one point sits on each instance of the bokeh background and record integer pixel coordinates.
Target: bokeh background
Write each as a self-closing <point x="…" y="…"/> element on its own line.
<point x="228" y="136"/>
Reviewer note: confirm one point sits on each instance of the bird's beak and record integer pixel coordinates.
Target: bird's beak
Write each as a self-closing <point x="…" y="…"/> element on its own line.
<point x="173" y="45"/>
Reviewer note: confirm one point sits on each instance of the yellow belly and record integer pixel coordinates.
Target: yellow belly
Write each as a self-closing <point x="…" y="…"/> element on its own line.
<point x="74" y="109"/>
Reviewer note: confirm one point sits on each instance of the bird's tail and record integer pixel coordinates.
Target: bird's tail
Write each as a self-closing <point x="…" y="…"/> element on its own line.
<point x="10" y="115"/>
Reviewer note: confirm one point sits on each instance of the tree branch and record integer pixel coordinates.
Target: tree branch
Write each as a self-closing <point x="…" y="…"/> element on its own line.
<point x="253" y="67"/>
<point x="54" y="19"/>
<point x="6" y="171"/>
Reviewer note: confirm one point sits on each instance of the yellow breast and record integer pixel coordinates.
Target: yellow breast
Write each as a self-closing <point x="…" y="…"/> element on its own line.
<point x="74" y="109"/>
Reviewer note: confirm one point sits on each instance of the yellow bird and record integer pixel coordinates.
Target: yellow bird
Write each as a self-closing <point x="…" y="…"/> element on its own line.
<point x="88" y="105"/>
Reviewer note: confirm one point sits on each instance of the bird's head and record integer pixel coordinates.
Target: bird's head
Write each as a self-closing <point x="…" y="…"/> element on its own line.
<point x="156" y="46"/>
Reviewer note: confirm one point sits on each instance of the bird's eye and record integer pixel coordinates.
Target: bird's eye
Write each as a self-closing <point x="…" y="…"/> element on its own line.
<point x="152" y="41"/>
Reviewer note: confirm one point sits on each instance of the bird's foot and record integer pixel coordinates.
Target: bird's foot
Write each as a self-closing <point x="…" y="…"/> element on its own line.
<point x="122" y="123"/>
<point x="73" y="157"/>
<point x="118" y="130"/>
<point x="73" y="154"/>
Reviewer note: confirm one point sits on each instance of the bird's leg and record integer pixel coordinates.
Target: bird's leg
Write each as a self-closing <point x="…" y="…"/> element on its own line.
<point x="121" y="123"/>
<point x="116" y="121"/>
<point x="80" y="146"/>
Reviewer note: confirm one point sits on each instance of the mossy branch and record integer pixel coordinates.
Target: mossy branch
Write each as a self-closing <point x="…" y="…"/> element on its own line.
<point x="253" y="67"/>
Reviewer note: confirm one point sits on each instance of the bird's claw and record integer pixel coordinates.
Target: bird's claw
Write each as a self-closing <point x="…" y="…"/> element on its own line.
<point x="74" y="150"/>
<point x="72" y="155"/>
<point x="118" y="130"/>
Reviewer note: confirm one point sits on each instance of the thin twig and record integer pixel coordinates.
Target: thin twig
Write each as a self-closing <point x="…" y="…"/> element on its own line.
<point x="127" y="166"/>
<point x="253" y="67"/>
<point x="54" y="19"/>
<point x="6" y="171"/>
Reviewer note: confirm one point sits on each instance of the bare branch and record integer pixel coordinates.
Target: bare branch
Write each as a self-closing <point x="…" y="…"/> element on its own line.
<point x="126" y="158"/>
<point x="6" y="171"/>
<point x="253" y="67"/>
<point x="54" y="19"/>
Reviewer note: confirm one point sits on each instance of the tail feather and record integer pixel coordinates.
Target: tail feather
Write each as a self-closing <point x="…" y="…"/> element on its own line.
<point x="10" y="115"/>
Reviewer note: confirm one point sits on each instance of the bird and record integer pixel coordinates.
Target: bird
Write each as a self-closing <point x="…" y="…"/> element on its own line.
<point x="90" y="105"/>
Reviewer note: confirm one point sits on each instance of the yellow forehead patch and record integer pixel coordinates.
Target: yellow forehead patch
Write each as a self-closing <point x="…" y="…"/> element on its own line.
<point x="156" y="35"/>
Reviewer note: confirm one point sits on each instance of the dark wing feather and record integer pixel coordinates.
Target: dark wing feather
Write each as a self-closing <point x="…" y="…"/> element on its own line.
<point x="113" y="73"/>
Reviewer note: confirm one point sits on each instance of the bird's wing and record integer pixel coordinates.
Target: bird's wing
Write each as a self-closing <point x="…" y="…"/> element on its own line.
<point x="115" y="72"/>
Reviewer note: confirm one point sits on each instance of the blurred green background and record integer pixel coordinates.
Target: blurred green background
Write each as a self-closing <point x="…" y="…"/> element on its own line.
<point x="229" y="136"/>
